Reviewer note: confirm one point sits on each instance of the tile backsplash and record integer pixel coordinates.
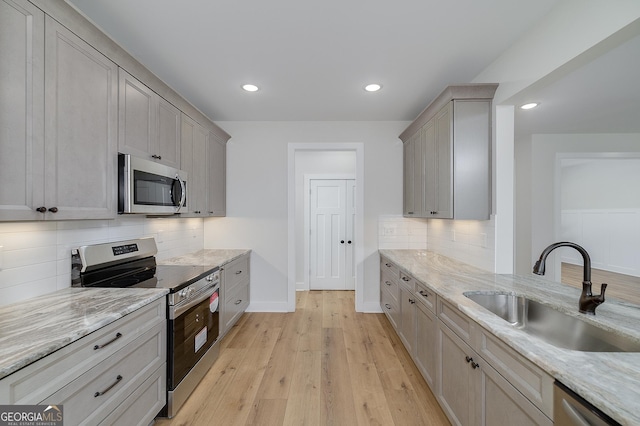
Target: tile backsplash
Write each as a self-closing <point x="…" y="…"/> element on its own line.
<point x="470" y="241"/>
<point x="35" y="257"/>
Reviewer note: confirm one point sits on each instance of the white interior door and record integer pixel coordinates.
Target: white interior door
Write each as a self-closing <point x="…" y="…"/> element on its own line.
<point x="332" y="215"/>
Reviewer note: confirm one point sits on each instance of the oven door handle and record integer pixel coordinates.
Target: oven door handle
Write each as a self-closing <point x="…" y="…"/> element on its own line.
<point x="177" y="310"/>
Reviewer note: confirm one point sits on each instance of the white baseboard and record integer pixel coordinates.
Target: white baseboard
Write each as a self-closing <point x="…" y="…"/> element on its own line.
<point x="268" y="307"/>
<point x="371" y="308"/>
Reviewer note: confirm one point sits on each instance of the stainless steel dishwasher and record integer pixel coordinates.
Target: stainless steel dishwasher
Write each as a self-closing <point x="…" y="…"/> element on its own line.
<point x="570" y="409"/>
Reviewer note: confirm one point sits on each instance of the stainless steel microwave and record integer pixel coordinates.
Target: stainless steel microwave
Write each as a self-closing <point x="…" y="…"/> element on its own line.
<point x="147" y="187"/>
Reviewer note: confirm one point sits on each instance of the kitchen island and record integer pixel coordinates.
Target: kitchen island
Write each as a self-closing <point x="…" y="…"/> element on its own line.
<point x="610" y="381"/>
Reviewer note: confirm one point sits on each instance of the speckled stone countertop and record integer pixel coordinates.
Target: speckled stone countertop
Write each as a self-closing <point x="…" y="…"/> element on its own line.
<point x="37" y="327"/>
<point x="206" y="257"/>
<point x="609" y="381"/>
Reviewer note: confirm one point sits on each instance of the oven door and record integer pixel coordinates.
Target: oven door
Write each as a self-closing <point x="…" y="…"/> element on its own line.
<point x="193" y="329"/>
<point x="148" y="187"/>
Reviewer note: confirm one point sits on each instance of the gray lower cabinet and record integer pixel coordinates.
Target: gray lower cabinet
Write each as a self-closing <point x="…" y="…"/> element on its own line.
<point x="235" y="292"/>
<point x="149" y="126"/>
<point x="58" y="145"/>
<point x="469" y="387"/>
<point x="476" y="378"/>
<point x="116" y="375"/>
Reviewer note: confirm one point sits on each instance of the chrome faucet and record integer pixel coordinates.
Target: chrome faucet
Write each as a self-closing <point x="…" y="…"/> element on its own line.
<point x="588" y="301"/>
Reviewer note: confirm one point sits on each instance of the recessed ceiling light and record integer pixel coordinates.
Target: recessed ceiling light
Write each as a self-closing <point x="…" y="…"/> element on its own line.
<point x="374" y="87"/>
<point x="250" y="87"/>
<point x="530" y="105"/>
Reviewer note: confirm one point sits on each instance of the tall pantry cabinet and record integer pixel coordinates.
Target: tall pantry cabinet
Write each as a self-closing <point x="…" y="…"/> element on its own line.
<point x="447" y="156"/>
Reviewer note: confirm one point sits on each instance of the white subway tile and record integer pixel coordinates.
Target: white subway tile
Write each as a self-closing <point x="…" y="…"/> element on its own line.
<point x="29" y="256"/>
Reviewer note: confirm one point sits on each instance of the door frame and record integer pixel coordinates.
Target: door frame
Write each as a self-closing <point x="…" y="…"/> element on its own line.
<point x="307" y="223"/>
<point x="358" y="148"/>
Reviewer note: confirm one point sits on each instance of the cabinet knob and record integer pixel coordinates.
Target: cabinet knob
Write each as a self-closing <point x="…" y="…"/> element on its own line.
<point x="349" y="242"/>
<point x="41" y="209"/>
<point x="341" y="241"/>
<point x="53" y="210"/>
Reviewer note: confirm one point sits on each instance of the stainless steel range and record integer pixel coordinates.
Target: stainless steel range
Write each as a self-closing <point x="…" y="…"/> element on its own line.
<point x="193" y="313"/>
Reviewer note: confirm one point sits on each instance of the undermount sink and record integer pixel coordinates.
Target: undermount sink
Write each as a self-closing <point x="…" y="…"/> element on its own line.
<point x="552" y="325"/>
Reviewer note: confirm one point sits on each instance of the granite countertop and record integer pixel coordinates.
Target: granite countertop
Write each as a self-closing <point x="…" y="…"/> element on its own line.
<point x="37" y="327"/>
<point x="609" y="381"/>
<point x="206" y="257"/>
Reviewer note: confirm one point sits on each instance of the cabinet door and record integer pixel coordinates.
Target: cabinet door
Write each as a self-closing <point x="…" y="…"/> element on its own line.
<point x="407" y="318"/>
<point x="455" y="377"/>
<point x="426" y="343"/>
<point x="81" y="107"/>
<point x="137" y="117"/>
<point x="217" y="175"/>
<point x="21" y="110"/>
<point x="198" y="185"/>
<point x="168" y="133"/>
<point x="418" y="175"/>
<point x="444" y="142"/>
<point x="430" y="153"/>
<point x="499" y="403"/>
<point x="408" y="193"/>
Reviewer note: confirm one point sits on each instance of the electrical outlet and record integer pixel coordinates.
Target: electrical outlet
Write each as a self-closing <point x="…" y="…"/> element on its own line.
<point x="483" y="237"/>
<point x="389" y="231"/>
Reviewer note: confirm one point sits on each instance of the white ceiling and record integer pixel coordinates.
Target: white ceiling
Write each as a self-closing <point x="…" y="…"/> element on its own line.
<point x="601" y="94"/>
<point x="313" y="58"/>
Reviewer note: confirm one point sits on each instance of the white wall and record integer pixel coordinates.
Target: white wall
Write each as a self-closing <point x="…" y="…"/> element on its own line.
<point x="540" y="186"/>
<point x="553" y="47"/>
<point x="257" y="197"/>
<point x="35" y="258"/>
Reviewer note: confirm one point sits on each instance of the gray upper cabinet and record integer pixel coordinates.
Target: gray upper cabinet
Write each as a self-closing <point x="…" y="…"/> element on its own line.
<point x="203" y="157"/>
<point x="453" y="153"/>
<point x="59" y="141"/>
<point x="217" y="176"/>
<point x="81" y="93"/>
<point x="149" y="126"/>
<point x="21" y="110"/>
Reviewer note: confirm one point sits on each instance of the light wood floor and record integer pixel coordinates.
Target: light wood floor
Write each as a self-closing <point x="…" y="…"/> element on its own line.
<point x="324" y="364"/>
<point x="621" y="286"/>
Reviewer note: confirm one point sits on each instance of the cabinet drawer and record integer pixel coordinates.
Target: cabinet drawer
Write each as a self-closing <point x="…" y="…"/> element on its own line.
<point x="37" y="381"/>
<point x="390" y="307"/>
<point x="387" y="265"/>
<point x="389" y="283"/>
<point x="528" y="378"/>
<point x="426" y="296"/>
<point x="407" y="281"/>
<point x="235" y="305"/>
<point x="455" y="320"/>
<point x="142" y="406"/>
<point x="95" y="394"/>
<point x="235" y="273"/>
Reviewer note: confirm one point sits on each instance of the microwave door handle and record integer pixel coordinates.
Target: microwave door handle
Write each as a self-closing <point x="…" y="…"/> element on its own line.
<point x="184" y="193"/>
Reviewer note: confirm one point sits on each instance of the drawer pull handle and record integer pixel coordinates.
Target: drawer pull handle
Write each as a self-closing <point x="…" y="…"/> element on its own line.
<point x="412" y="301"/>
<point x="238" y="272"/>
<point x="97" y="394"/>
<point x="388" y="265"/>
<point x="387" y="282"/>
<point x="423" y="293"/>
<point x="388" y="306"/>
<point x="238" y="301"/>
<point x="406" y="279"/>
<point x="96" y="347"/>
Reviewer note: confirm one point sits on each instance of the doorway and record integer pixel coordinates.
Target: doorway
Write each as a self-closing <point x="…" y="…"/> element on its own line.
<point x="329" y="232"/>
<point x="296" y="234"/>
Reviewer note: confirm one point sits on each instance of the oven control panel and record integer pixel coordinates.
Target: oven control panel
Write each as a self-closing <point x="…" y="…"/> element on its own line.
<point x="192" y="290"/>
